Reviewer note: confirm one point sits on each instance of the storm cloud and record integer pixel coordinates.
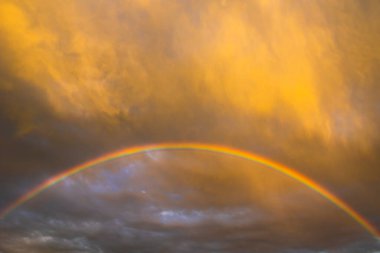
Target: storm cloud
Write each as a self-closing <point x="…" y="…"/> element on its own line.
<point x="177" y="202"/>
<point x="295" y="81"/>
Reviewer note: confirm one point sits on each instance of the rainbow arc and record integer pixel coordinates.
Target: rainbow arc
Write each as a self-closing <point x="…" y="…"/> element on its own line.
<point x="292" y="173"/>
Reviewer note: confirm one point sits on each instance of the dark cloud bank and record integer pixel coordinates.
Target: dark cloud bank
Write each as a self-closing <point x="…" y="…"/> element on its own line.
<point x="160" y="202"/>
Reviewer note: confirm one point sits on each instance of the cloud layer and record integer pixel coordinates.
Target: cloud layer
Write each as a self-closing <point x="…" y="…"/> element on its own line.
<point x="177" y="202"/>
<point x="295" y="81"/>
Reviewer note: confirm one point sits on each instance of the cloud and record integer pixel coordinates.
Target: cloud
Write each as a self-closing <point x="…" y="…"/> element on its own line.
<point x="108" y="60"/>
<point x="295" y="81"/>
<point x="135" y="204"/>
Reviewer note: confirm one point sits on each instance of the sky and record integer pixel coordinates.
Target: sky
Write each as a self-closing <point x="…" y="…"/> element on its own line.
<point x="293" y="81"/>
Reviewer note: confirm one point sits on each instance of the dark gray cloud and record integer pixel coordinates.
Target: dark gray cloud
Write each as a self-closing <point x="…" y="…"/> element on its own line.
<point x="173" y="202"/>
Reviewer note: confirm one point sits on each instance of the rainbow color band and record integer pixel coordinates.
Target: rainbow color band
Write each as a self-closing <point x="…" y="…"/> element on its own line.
<point x="200" y="147"/>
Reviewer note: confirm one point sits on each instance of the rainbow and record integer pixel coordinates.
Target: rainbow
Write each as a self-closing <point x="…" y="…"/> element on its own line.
<point x="200" y="147"/>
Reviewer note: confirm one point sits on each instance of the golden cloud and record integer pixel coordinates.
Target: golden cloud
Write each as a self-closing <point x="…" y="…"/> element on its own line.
<point x="268" y="60"/>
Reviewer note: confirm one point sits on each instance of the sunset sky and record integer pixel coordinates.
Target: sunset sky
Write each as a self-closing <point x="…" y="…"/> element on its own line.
<point x="294" y="81"/>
